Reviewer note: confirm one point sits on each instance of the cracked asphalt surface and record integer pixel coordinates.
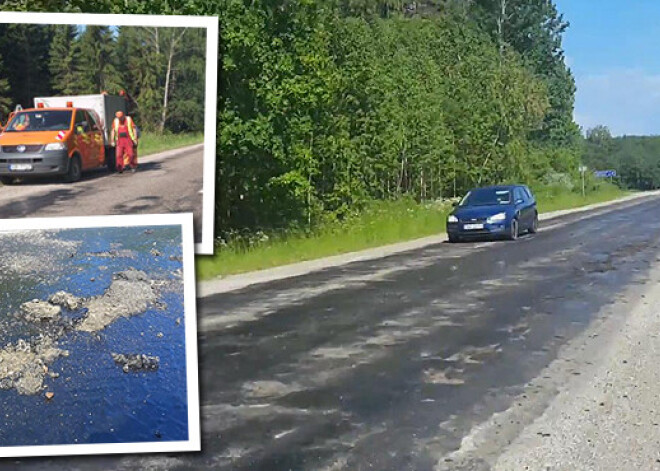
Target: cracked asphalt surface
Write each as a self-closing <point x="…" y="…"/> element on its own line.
<point x="169" y="182"/>
<point x="389" y="364"/>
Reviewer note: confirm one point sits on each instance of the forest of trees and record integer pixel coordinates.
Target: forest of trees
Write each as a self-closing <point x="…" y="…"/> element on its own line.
<point x="327" y="105"/>
<point x="635" y="158"/>
<point x="162" y="69"/>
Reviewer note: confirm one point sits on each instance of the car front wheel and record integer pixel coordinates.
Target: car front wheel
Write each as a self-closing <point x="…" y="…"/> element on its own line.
<point x="513" y="231"/>
<point x="75" y="170"/>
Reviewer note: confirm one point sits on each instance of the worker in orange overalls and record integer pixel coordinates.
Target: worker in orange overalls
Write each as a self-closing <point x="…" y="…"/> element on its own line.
<point x="124" y="138"/>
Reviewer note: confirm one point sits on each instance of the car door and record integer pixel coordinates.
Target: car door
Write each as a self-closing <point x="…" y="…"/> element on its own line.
<point x="522" y="205"/>
<point x="81" y="130"/>
<point x="97" y="155"/>
<point x="532" y="201"/>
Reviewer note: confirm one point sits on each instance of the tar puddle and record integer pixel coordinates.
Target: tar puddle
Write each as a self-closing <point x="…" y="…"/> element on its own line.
<point x="92" y="336"/>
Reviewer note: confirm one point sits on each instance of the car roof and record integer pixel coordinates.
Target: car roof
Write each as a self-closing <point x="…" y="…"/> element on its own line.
<point x="497" y="187"/>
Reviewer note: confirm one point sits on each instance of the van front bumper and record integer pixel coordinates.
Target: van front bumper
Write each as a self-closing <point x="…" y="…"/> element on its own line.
<point x="55" y="162"/>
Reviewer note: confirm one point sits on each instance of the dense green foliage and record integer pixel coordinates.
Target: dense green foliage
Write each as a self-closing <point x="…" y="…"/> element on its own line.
<point x="162" y="69"/>
<point x="635" y="158"/>
<point x="326" y="106"/>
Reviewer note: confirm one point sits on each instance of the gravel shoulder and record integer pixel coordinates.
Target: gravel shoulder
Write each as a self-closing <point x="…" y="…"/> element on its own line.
<point x="594" y="407"/>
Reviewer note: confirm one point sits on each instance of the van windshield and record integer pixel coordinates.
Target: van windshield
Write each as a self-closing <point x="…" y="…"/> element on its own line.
<point x="40" y="120"/>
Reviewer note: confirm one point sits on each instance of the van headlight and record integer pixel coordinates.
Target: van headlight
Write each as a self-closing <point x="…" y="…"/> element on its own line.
<point x="499" y="217"/>
<point x="452" y="218"/>
<point x="55" y="146"/>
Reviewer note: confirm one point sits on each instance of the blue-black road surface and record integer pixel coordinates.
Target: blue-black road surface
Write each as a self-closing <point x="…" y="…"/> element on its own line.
<point x="388" y="364"/>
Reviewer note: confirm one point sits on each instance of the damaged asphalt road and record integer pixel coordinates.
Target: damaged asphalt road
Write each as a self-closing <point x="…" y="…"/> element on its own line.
<point x="167" y="182"/>
<point x="92" y="347"/>
<point x="25" y="364"/>
<point x="390" y="364"/>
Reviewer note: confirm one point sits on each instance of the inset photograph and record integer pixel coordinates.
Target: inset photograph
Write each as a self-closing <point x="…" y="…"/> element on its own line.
<point x="111" y="114"/>
<point x="98" y="336"/>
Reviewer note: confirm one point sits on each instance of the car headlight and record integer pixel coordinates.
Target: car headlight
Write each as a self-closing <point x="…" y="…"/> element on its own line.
<point x="55" y="146"/>
<point x="499" y="217"/>
<point x="452" y="218"/>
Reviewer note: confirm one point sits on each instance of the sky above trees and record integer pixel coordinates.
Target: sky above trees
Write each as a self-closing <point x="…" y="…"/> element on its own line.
<point x="612" y="48"/>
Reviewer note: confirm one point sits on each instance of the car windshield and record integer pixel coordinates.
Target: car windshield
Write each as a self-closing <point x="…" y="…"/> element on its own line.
<point x="486" y="197"/>
<point x="41" y="120"/>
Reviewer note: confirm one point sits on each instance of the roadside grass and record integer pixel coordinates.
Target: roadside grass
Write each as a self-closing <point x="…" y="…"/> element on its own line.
<point x="151" y="143"/>
<point x="381" y="224"/>
<point x="556" y="198"/>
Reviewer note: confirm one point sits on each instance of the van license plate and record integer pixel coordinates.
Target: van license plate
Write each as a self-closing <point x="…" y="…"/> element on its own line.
<point x="470" y="227"/>
<point x="20" y="167"/>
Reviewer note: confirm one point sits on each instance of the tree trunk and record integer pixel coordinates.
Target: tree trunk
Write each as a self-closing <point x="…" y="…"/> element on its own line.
<point x="168" y="73"/>
<point x="501" y="18"/>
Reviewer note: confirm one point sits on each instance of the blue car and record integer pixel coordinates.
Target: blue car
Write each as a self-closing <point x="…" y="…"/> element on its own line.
<point x="504" y="211"/>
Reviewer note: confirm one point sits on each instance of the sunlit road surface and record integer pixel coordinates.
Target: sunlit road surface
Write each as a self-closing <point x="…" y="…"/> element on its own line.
<point x="388" y="364"/>
<point x="169" y="182"/>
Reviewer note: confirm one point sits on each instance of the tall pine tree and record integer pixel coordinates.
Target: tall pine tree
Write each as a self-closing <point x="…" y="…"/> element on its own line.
<point x="97" y="71"/>
<point x="5" y="100"/>
<point x="63" y="63"/>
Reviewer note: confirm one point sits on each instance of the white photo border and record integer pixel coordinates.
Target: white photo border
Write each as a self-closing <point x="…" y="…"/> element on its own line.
<point x="185" y="221"/>
<point x="211" y="85"/>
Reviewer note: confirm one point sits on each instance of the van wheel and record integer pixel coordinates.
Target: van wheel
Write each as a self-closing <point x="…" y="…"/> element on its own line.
<point x="75" y="170"/>
<point x="7" y="180"/>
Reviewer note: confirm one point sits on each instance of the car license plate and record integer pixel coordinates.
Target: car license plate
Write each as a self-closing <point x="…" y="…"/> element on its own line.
<point x="471" y="227"/>
<point x="20" y="167"/>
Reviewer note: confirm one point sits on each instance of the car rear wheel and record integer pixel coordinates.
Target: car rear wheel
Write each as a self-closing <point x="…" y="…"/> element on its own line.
<point x="513" y="231"/>
<point x="535" y="225"/>
<point x="75" y="170"/>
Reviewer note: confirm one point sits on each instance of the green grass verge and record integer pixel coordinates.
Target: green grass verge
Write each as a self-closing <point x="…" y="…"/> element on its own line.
<point x="383" y="223"/>
<point x="151" y="143"/>
<point x="554" y="199"/>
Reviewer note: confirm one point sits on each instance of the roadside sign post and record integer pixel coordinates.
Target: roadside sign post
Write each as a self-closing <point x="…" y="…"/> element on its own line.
<point x="582" y="170"/>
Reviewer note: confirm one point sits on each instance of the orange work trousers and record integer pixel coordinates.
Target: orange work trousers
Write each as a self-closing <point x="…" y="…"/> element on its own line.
<point x="125" y="154"/>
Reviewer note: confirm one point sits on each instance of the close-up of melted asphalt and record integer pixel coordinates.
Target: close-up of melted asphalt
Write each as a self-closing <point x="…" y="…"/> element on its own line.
<point x="387" y="364"/>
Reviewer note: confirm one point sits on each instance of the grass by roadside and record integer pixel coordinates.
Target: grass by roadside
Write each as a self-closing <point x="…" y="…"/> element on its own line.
<point x="553" y="199"/>
<point x="151" y="143"/>
<point x="383" y="223"/>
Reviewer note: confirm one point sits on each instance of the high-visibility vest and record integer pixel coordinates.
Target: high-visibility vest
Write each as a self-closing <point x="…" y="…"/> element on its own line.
<point x="129" y="124"/>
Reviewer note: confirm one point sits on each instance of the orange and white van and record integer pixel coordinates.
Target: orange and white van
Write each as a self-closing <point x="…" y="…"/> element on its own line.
<point x="63" y="140"/>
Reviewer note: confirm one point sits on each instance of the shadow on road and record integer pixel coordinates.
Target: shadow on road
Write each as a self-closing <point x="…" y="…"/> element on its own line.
<point x="137" y="205"/>
<point x="87" y="176"/>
